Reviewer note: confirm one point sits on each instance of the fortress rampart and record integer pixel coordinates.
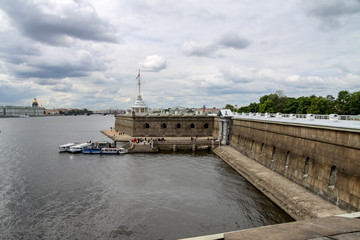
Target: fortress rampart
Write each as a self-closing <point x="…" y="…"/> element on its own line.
<point x="165" y="126"/>
<point x="324" y="160"/>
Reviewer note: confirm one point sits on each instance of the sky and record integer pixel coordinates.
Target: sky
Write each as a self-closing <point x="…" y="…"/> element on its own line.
<point x="87" y="53"/>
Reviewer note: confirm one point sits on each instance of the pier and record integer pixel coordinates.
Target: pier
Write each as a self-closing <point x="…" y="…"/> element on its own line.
<point x="156" y="144"/>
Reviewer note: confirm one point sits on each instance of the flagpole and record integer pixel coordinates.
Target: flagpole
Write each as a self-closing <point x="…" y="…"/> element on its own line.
<point x="139" y="81"/>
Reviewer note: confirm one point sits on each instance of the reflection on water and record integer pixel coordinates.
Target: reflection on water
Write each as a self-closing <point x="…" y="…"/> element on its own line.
<point x="46" y="194"/>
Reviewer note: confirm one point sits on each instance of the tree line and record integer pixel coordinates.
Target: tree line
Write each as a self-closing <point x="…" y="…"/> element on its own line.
<point x="346" y="103"/>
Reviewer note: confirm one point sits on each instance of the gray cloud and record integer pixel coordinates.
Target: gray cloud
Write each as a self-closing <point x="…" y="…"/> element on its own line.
<point x="332" y="13"/>
<point x="232" y="40"/>
<point x="79" y="23"/>
<point x="56" y="71"/>
<point x="210" y="49"/>
<point x="11" y="95"/>
<point x="199" y="49"/>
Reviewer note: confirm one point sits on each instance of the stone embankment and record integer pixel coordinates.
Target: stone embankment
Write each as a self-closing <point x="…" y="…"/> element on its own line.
<point x="156" y="144"/>
<point x="296" y="201"/>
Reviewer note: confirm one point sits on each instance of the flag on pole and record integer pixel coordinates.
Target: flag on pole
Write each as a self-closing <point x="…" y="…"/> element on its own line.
<point x="138" y="76"/>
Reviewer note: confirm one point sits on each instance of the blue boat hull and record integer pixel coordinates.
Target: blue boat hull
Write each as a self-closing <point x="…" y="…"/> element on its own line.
<point x="92" y="151"/>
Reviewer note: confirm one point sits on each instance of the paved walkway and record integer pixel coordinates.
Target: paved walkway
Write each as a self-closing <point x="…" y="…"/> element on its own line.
<point x="299" y="203"/>
<point x="118" y="137"/>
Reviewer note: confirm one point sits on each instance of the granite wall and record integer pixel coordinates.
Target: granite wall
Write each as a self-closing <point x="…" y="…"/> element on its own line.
<point x="324" y="160"/>
<point x="165" y="126"/>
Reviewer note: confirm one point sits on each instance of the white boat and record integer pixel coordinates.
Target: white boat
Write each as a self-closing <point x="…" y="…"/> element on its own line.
<point x="66" y="147"/>
<point x="113" y="151"/>
<point x="79" y="148"/>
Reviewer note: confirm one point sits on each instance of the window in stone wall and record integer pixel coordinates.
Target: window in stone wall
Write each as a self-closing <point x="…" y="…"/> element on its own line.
<point x="192" y="125"/>
<point x="178" y="125"/>
<point x="163" y="125"/>
<point x="206" y="125"/>
<point x="146" y="125"/>
<point x="262" y="149"/>
<point x="252" y="146"/>
<point x="332" y="179"/>
<point x="306" y="168"/>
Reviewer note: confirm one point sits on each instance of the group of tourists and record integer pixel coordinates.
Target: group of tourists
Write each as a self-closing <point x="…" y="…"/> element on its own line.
<point x="146" y="140"/>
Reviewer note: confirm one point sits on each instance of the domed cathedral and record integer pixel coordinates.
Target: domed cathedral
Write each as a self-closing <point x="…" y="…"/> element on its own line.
<point x="139" y="106"/>
<point x="35" y="103"/>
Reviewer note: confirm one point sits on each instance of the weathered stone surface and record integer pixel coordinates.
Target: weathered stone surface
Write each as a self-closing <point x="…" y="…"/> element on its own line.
<point x="306" y="155"/>
<point x="299" y="203"/>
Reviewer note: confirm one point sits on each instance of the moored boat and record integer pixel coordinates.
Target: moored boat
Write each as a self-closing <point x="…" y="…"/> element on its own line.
<point x="92" y="151"/>
<point x="66" y="147"/>
<point x="113" y="151"/>
<point x="80" y="147"/>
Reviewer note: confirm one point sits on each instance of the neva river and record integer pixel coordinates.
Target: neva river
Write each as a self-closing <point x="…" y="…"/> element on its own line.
<point x="45" y="194"/>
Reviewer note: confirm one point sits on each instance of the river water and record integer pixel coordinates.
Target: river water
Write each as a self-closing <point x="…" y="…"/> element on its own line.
<point x="45" y="194"/>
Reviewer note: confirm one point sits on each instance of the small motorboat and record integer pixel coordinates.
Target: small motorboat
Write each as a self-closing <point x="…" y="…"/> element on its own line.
<point x="80" y="147"/>
<point x="113" y="151"/>
<point x="66" y="147"/>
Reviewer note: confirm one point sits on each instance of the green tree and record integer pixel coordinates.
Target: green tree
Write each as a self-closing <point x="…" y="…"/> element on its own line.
<point x="342" y="103"/>
<point x="267" y="106"/>
<point x="254" y="107"/>
<point x="229" y="106"/>
<point x="245" y="109"/>
<point x="303" y="105"/>
<point x="354" y="103"/>
<point x="319" y="105"/>
<point x="291" y="105"/>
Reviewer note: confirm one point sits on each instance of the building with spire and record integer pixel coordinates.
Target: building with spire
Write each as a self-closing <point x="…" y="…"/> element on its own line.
<point x="139" y="106"/>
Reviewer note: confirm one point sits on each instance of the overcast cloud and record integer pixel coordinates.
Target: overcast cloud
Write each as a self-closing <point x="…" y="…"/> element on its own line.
<point x="87" y="53"/>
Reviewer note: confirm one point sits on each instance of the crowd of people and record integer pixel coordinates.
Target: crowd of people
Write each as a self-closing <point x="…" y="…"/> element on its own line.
<point x="146" y="140"/>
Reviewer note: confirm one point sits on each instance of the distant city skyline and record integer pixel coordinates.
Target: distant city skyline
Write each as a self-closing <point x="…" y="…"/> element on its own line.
<point x="87" y="54"/>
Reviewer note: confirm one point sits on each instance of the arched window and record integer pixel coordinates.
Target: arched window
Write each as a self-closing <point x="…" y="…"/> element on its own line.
<point x="163" y="125"/>
<point x="178" y="125"/>
<point x="206" y="125"/>
<point x="192" y="125"/>
<point x="146" y="125"/>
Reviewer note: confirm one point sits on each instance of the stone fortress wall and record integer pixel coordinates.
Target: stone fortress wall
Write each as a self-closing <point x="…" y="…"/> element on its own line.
<point x="324" y="160"/>
<point x="165" y="126"/>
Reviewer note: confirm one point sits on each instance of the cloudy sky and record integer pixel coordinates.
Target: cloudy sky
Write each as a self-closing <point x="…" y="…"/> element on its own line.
<point x="87" y="53"/>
